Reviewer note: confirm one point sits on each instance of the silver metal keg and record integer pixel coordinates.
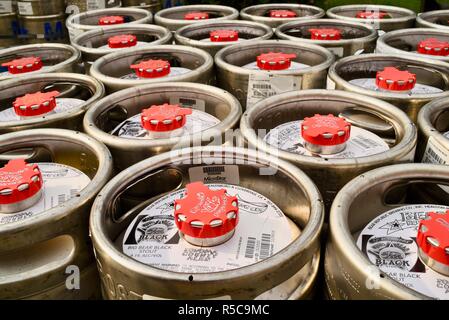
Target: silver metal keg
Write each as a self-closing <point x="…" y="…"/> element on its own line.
<point x="40" y="7"/>
<point x="214" y="36"/>
<point x="43" y="29"/>
<point x="342" y="38"/>
<point x="273" y="126"/>
<point x="82" y="22"/>
<point x="361" y="74"/>
<point x="182" y="63"/>
<point x="377" y="215"/>
<point x="114" y="110"/>
<point x="45" y="244"/>
<point x="275" y="14"/>
<point x="241" y="71"/>
<point x="380" y="17"/>
<point x="94" y="44"/>
<point x="437" y="19"/>
<point x="177" y="17"/>
<point x="45" y="58"/>
<point x="76" y="94"/>
<point x="77" y="6"/>
<point x="288" y="274"/>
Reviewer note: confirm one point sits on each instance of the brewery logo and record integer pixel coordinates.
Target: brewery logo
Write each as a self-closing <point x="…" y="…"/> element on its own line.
<point x="199" y="255"/>
<point x="443" y="284"/>
<point x="391" y="252"/>
<point x="154" y="229"/>
<point x="252" y="207"/>
<point x="409" y="220"/>
<point x="166" y="208"/>
<point x="130" y="128"/>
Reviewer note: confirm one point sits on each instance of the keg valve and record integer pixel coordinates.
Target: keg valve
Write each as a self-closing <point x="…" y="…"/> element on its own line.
<point x="392" y="79"/>
<point x="325" y="134"/>
<point x="196" y="16"/>
<point x="111" y="20"/>
<point x="275" y="61"/>
<point x="282" y="14"/>
<point x="372" y="14"/>
<point x="224" y="35"/>
<point x="23" y="65"/>
<point x="434" y="47"/>
<point x="20" y="186"/>
<point x="35" y="104"/>
<point x="164" y="121"/>
<point x="325" y="34"/>
<point x="433" y="241"/>
<point x="152" y="68"/>
<point x="206" y="217"/>
<point x="122" y="41"/>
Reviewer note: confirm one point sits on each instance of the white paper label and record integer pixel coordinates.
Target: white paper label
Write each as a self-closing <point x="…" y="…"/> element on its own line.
<point x="61" y="183"/>
<point x="62" y="105"/>
<point x="337" y="51"/>
<point x="330" y="84"/>
<point x="25" y="8"/>
<point x="362" y="143"/>
<point x="6" y="6"/>
<point x="174" y="71"/>
<point x="95" y="4"/>
<point x="436" y="153"/>
<point x="389" y="242"/>
<point x="226" y="174"/>
<point x="262" y="231"/>
<point x="265" y="85"/>
<point x="185" y="102"/>
<point x="198" y="121"/>
<point x="370" y="84"/>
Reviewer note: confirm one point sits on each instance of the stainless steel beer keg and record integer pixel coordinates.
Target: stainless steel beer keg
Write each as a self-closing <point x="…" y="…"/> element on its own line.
<point x="77" y="6"/>
<point x="43" y="29"/>
<point x="437" y="19"/>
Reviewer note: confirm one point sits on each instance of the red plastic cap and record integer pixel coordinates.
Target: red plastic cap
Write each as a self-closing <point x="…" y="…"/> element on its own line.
<point x="393" y="79"/>
<point x="374" y="14"/>
<point x="122" y="41"/>
<point x="35" y="104"/>
<point x="282" y="14"/>
<point x="224" y="35"/>
<point x="110" y="20"/>
<point x="325" y="130"/>
<point x="275" y="61"/>
<point x="205" y="213"/>
<point x="23" y="65"/>
<point x="325" y="34"/>
<point x="164" y="117"/>
<point x="196" y="16"/>
<point x="434" y="47"/>
<point x="19" y="181"/>
<point x="433" y="237"/>
<point x="152" y="68"/>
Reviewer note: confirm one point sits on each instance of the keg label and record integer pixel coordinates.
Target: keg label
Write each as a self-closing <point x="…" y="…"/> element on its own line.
<point x="337" y="51"/>
<point x="435" y="152"/>
<point x="25" y="8"/>
<point x="215" y="174"/>
<point x="389" y="241"/>
<point x="61" y="183"/>
<point x="263" y="230"/>
<point x="362" y="143"/>
<point x="62" y="105"/>
<point x="95" y="4"/>
<point x="265" y="85"/>
<point x="196" y="122"/>
<point x="6" y="6"/>
<point x="185" y="102"/>
<point x="370" y="84"/>
<point x="330" y="84"/>
<point x="174" y="71"/>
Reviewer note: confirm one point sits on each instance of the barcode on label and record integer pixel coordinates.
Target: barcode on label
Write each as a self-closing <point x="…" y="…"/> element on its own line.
<point x="365" y="142"/>
<point x="250" y="248"/>
<point x="73" y="193"/>
<point x="213" y="170"/>
<point x="61" y="199"/>
<point x="261" y="86"/>
<point x="264" y="94"/>
<point x="432" y="157"/>
<point x="265" y="246"/>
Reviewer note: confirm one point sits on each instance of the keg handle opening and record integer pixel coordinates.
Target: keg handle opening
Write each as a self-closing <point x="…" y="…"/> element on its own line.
<point x="72" y="90"/>
<point x="440" y="120"/>
<point x="443" y="82"/>
<point x="30" y="154"/>
<point x="404" y="192"/>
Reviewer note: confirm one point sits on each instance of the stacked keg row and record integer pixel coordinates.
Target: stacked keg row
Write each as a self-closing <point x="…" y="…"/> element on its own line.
<point x="216" y="153"/>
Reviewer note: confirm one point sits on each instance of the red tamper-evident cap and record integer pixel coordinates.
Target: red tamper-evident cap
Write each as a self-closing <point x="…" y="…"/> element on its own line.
<point x="205" y="213"/>
<point x="394" y="79"/>
<point x="35" y="104"/>
<point x="325" y="130"/>
<point x="152" y="68"/>
<point x="196" y="16"/>
<point x="374" y="14"/>
<point x="19" y="181"/>
<point x="164" y="117"/>
<point x="325" y="34"/>
<point x="434" y="47"/>
<point x="275" y="60"/>
<point x="433" y="237"/>
<point x="110" y="20"/>
<point x="23" y="65"/>
<point x="122" y="41"/>
<point x="282" y="14"/>
<point x="224" y="35"/>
